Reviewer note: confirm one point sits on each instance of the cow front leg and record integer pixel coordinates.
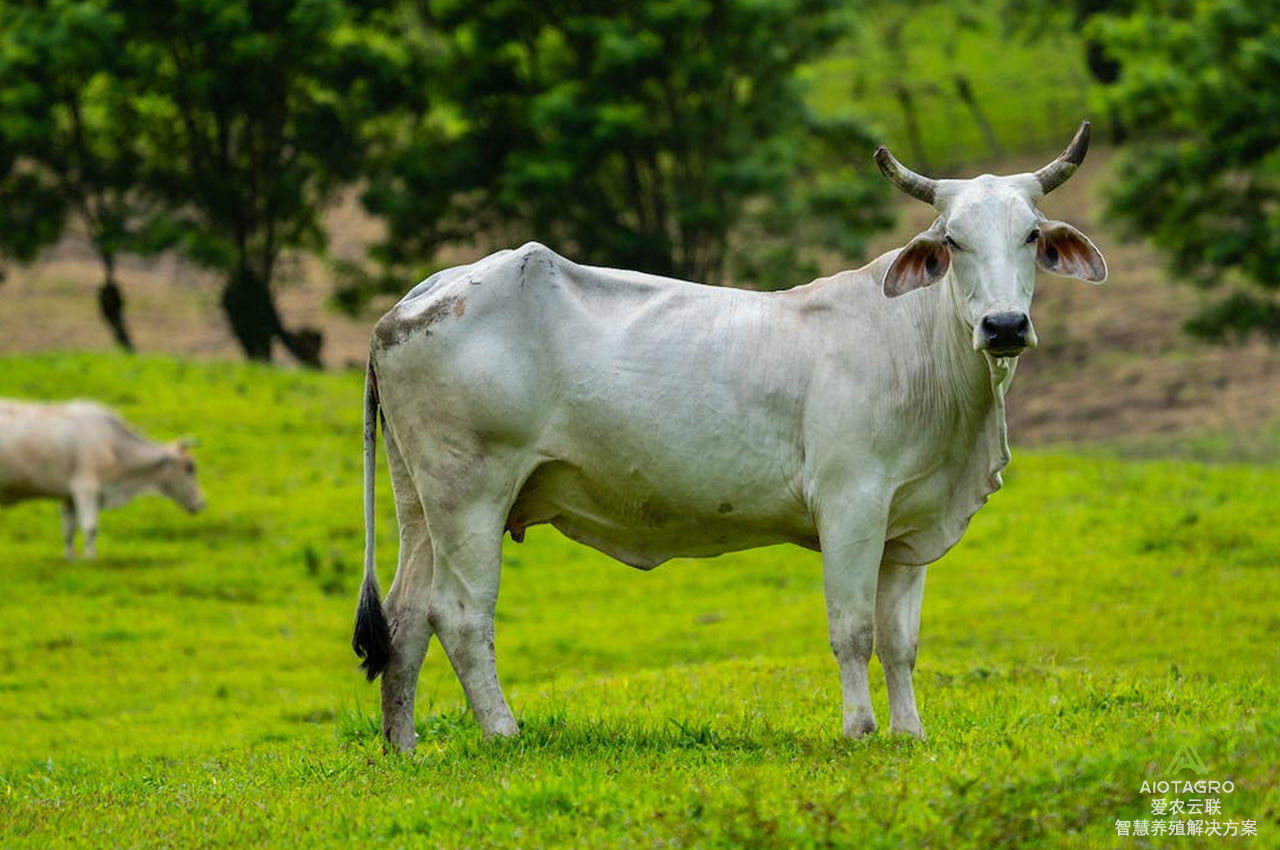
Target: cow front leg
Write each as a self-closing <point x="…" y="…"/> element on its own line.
<point x="464" y="595"/>
<point x="84" y="497"/>
<point x="69" y="527"/>
<point x="899" y="596"/>
<point x="850" y="573"/>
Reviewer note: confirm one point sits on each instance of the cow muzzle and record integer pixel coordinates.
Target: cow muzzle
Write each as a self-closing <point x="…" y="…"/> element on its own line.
<point x="1005" y="334"/>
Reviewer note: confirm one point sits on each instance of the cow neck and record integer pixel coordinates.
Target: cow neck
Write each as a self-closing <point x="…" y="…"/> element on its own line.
<point x="134" y="454"/>
<point x="137" y="460"/>
<point x="966" y="389"/>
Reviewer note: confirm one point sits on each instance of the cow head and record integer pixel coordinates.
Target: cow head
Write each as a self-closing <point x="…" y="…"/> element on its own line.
<point x="990" y="236"/>
<point x="176" y="476"/>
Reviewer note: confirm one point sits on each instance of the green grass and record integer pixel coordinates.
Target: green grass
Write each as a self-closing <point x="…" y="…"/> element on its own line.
<point x="194" y="687"/>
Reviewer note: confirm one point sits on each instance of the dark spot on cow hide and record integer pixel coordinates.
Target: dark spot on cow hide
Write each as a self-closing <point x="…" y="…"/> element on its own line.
<point x="394" y="328"/>
<point x="652" y="513"/>
<point x="725" y="508"/>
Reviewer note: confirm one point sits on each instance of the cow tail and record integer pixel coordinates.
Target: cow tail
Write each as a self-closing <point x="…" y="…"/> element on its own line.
<point x="372" y="638"/>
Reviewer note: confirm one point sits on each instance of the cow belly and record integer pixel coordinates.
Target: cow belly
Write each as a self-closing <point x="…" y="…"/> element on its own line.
<point x="18" y="485"/>
<point x="642" y="527"/>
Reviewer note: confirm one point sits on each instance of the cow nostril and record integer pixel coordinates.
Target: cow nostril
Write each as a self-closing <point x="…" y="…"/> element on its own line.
<point x="1006" y="331"/>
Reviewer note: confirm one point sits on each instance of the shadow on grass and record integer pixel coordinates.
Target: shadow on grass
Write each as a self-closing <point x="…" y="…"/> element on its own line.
<point x="553" y="734"/>
<point x="115" y="562"/>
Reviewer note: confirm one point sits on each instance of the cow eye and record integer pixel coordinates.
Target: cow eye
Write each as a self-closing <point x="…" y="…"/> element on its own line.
<point x="951" y="243"/>
<point x="190" y="467"/>
<point x="1033" y="236"/>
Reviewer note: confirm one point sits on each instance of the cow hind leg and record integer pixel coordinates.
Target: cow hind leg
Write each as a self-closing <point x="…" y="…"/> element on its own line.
<point x="406" y="608"/>
<point x="467" y="544"/>
<point x="899" y="596"/>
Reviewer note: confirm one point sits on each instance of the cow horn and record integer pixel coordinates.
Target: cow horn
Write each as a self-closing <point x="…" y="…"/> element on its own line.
<point x="915" y="185"/>
<point x="1057" y="172"/>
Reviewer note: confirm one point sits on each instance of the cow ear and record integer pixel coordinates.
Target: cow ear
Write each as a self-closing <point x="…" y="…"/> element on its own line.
<point x="923" y="262"/>
<point x="188" y="442"/>
<point x="1066" y="251"/>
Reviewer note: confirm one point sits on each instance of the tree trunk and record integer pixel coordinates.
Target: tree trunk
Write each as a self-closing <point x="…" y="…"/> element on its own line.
<point x="304" y="343"/>
<point x="111" y="305"/>
<point x="907" y="102"/>
<point x="251" y="311"/>
<point x="965" y="93"/>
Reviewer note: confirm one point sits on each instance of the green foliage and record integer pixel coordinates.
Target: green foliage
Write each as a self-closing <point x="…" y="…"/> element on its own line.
<point x="252" y="116"/>
<point x="66" y="131"/>
<point x="946" y="85"/>
<point x="195" y="686"/>
<point x="1203" y="181"/>
<point x="224" y="128"/>
<point x="639" y="134"/>
<point x="724" y="140"/>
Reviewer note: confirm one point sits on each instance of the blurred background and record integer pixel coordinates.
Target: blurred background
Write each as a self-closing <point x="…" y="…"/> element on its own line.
<point x="232" y="179"/>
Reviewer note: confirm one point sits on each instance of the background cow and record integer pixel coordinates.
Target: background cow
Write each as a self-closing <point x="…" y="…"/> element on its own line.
<point x="82" y="453"/>
<point x="861" y="415"/>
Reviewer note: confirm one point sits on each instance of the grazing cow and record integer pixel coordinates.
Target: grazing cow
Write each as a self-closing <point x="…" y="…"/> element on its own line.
<point x="861" y="415"/>
<point x="83" y="454"/>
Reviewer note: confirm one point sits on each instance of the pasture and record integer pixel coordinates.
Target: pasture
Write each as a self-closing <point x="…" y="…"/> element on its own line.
<point x="194" y="687"/>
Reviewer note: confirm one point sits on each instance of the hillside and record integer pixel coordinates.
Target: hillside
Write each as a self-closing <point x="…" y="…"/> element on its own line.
<point x="1113" y="363"/>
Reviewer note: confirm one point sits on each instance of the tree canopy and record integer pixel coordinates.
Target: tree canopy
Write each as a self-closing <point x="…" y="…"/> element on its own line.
<point x="1202" y="180"/>
<point x="641" y="133"/>
<point x="66" y="132"/>
<point x="223" y="128"/>
<point x="253" y="115"/>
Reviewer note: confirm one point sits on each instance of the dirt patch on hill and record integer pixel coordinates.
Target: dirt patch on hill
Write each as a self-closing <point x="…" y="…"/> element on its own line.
<point x="1113" y="362"/>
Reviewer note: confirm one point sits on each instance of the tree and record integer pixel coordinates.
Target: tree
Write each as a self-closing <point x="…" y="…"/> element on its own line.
<point x="643" y="134"/>
<point x="896" y="27"/>
<point x="252" y="115"/>
<point x="65" y="137"/>
<point x="1037" y="18"/>
<point x="1202" y="182"/>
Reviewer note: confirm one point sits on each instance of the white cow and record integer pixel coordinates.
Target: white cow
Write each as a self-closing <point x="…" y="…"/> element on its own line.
<point x="861" y="415"/>
<point x="81" y="453"/>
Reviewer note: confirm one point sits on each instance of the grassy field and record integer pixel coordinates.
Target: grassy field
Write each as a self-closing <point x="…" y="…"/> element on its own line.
<point x="194" y="686"/>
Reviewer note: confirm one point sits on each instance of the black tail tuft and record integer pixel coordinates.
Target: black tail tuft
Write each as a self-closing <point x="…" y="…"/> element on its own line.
<point x="372" y="638"/>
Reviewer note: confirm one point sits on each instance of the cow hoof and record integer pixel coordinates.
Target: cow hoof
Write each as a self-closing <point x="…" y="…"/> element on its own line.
<point x="912" y="729"/>
<point x="505" y="728"/>
<point x="859" y="728"/>
<point x="399" y="744"/>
